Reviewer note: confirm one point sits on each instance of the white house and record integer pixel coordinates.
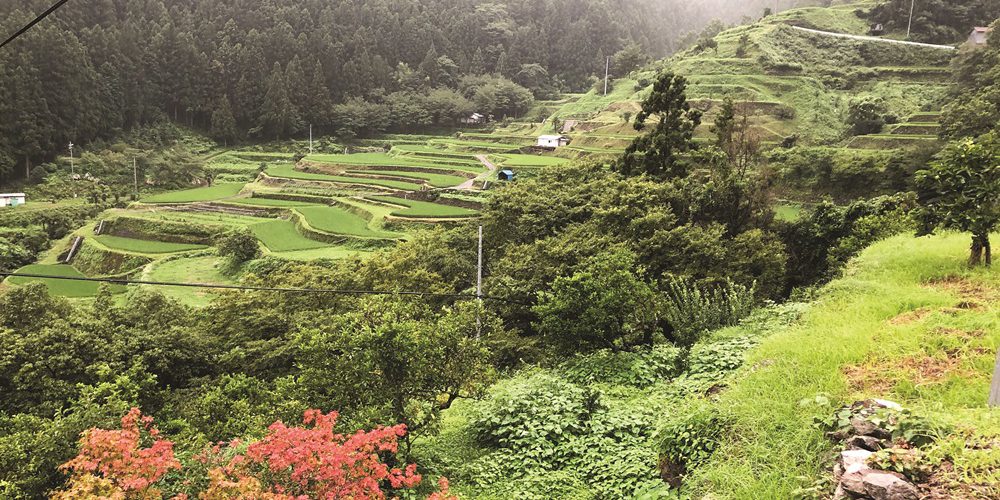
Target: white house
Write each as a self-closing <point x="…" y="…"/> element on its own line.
<point x="11" y="199"/>
<point x="979" y="37"/>
<point x="474" y="119"/>
<point x="552" y="141"/>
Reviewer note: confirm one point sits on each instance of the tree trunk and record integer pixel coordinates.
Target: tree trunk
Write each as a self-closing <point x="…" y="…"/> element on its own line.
<point x="976" y="251"/>
<point x="988" y="250"/>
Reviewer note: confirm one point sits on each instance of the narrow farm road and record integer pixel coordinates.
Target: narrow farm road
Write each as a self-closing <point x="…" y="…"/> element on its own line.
<point x="874" y="39"/>
<point x="471" y="183"/>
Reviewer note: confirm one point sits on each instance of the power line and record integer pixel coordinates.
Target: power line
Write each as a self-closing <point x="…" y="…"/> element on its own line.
<point x="33" y="23"/>
<point x="332" y="291"/>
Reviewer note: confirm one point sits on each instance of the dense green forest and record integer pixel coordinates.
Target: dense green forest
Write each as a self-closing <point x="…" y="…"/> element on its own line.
<point x="269" y="69"/>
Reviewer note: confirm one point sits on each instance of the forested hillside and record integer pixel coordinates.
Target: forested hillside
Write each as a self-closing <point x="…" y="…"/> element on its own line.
<point x="269" y="69"/>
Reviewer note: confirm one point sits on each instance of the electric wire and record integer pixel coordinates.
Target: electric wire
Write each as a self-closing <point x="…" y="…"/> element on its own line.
<point x="331" y="291"/>
<point x="33" y="23"/>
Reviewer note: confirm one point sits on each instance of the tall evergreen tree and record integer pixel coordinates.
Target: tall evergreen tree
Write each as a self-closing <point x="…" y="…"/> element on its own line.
<point x="223" y="122"/>
<point x="279" y="118"/>
<point x="658" y="152"/>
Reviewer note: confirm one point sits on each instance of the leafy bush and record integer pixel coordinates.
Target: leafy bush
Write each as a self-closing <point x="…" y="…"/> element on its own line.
<point x="868" y="115"/>
<point x="635" y="369"/>
<point x="692" y="310"/>
<point x="532" y="415"/>
<point x="239" y="247"/>
<point x="688" y="440"/>
<point x="711" y="361"/>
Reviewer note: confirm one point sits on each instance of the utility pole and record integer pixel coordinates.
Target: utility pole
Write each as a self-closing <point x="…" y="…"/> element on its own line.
<point x="310" y="138"/>
<point x="479" y="285"/>
<point x="135" y="178"/>
<point x="607" y="71"/>
<point x="909" y="25"/>
<point x="72" y="168"/>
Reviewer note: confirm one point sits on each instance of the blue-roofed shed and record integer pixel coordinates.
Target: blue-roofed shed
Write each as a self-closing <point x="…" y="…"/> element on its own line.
<point x="506" y="175"/>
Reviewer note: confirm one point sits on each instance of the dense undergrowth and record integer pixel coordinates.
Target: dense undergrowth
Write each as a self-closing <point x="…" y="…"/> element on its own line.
<point x="727" y="419"/>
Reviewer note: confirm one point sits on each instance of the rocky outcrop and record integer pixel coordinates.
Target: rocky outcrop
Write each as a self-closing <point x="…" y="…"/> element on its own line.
<point x="855" y="476"/>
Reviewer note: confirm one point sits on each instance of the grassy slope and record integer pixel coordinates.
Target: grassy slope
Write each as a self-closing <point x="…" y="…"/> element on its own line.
<point x="862" y="320"/>
<point x="216" y="192"/>
<point x="144" y="246"/>
<point x="425" y="209"/>
<point x="281" y="236"/>
<point x="198" y="269"/>
<point x="63" y="288"/>
<point x="338" y="221"/>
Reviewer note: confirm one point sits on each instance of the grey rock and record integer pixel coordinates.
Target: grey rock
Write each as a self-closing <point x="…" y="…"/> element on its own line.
<point x="865" y="443"/>
<point x="855" y="460"/>
<point x="882" y="485"/>
<point x="863" y="427"/>
<point x="853" y="484"/>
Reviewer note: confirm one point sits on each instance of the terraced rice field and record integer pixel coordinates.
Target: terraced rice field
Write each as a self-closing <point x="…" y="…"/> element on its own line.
<point x="336" y="220"/>
<point x="282" y="236"/>
<point x="435" y="180"/>
<point x="270" y="202"/>
<point x="423" y="209"/>
<point x="62" y="288"/>
<point x="211" y="193"/>
<point x="521" y="160"/>
<point x="145" y="246"/>
<point x="289" y="172"/>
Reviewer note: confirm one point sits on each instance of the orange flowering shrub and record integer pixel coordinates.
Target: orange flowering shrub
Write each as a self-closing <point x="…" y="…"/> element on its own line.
<point x="112" y="464"/>
<point x="289" y="463"/>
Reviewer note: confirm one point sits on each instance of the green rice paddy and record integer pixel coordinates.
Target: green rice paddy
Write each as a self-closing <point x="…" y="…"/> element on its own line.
<point x="211" y="193"/>
<point x="336" y="220"/>
<point x="145" y="246"/>
<point x="423" y="209"/>
<point x="282" y="236"/>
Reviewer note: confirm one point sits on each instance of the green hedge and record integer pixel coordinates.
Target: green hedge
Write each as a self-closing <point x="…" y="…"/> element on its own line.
<point x="169" y="232"/>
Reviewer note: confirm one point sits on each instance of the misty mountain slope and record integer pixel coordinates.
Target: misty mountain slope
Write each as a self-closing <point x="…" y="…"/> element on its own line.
<point x="800" y="85"/>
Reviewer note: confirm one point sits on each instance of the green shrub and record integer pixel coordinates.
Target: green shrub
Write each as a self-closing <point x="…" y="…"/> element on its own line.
<point x="238" y="247"/>
<point x="693" y="310"/>
<point x="532" y="415"/>
<point x="634" y="369"/>
<point x="713" y="360"/>
<point x="688" y="440"/>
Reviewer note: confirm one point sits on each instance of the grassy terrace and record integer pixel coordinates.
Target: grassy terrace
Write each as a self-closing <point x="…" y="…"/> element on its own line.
<point x="519" y="160"/>
<point x="145" y="246"/>
<point x="282" y="236"/>
<point x="201" y="269"/>
<point x="423" y="209"/>
<point x="212" y="193"/>
<point x="435" y="180"/>
<point x="336" y="220"/>
<point x="289" y="172"/>
<point x="62" y="288"/>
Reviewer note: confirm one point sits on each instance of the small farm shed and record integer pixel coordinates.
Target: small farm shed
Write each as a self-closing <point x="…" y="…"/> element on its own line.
<point x="980" y="35"/>
<point x="474" y="119"/>
<point x="552" y="141"/>
<point x="506" y="175"/>
<point x="12" y="199"/>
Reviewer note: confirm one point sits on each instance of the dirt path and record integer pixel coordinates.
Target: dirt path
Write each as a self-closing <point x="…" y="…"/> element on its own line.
<point x="874" y="39"/>
<point x="470" y="184"/>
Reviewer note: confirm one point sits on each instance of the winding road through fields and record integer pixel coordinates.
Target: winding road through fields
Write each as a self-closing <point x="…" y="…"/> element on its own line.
<point x="471" y="183"/>
<point x="874" y="39"/>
